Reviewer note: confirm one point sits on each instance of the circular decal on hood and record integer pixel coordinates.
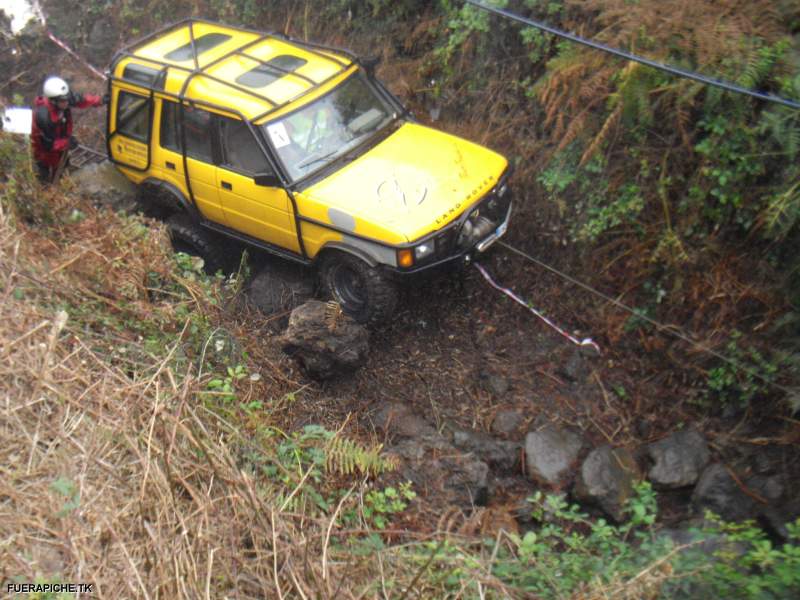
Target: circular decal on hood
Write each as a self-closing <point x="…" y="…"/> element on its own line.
<point x="397" y="194"/>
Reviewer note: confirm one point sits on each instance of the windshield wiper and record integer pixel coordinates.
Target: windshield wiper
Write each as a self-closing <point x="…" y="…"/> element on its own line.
<point x="314" y="159"/>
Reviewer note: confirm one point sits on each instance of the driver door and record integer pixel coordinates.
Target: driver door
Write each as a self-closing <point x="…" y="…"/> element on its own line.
<point x="261" y="212"/>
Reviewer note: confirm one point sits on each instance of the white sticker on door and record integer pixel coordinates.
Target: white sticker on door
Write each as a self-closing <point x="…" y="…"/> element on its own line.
<point x="279" y="135"/>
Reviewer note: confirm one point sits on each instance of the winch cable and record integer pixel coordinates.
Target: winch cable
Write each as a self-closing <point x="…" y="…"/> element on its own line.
<point x="725" y="85"/>
<point x="513" y="296"/>
<point x="672" y="330"/>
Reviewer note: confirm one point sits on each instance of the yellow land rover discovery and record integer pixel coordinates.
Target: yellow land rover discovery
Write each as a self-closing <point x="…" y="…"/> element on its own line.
<point x="298" y="149"/>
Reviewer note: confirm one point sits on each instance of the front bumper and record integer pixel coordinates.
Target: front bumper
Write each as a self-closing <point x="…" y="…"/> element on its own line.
<point x="454" y="246"/>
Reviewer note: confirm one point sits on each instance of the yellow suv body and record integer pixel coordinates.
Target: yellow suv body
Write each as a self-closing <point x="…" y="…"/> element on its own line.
<point x="298" y="149"/>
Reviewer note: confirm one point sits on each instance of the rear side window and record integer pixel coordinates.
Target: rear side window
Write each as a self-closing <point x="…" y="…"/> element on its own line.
<point x="133" y="116"/>
<point x="142" y="75"/>
<point x="198" y="130"/>
<point x="240" y="150"/>
<point x="202" y="44"/>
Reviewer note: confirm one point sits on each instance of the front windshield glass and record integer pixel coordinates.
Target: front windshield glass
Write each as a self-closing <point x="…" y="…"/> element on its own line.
<point x="310" y="138"/>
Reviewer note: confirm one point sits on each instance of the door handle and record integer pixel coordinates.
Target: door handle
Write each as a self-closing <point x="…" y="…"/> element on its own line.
<point x="170" y="165"/>
<point x="226" y="185"/>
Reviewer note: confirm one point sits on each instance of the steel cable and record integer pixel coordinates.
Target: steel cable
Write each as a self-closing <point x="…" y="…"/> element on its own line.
<point x="725" y="85"/>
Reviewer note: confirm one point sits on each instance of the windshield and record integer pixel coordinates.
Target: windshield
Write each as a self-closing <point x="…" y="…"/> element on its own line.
<point x="312" y="137"/>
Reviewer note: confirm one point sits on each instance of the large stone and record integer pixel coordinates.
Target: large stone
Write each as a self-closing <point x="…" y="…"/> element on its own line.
<point x="499" y="454"/>
<point x="718" y="492"/>
<point x="398" y="419"/>
<point x="550" y="455"/>
<point x="606" y="479"/>
<point x="678" y="459"/>
<point x="438" y="469"/>
<point x="508" y="421"/>
<point x="324" y="341"/>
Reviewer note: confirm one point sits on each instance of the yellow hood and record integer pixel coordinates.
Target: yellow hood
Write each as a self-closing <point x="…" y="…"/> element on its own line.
<point x="414" y="182"/>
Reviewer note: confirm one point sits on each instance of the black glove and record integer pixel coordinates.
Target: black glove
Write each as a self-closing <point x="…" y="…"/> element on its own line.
<point x="73" y="142"/>
<point x="106" y="98"/>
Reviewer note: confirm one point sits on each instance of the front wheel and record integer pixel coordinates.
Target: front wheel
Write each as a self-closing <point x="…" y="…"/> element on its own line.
<point x="365" y="293"/>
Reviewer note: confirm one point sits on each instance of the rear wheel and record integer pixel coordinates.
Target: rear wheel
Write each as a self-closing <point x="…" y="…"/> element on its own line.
<point x="365" y="293"/>
<point x="191" y="239"/>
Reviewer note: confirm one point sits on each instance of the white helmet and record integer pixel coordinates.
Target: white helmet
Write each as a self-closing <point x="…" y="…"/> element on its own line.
<point x="55" y="87"/>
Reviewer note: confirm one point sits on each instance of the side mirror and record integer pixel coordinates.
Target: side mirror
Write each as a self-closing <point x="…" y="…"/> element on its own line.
<point x="267" y="180"/>
<point x="369" y="63"/>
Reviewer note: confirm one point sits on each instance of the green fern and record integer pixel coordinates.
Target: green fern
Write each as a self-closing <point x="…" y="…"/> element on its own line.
<point x="782" y="212"/>
<point x="347" y="458"/>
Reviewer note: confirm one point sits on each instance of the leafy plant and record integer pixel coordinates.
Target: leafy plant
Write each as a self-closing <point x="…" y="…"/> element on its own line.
<point x="749" y="376"/>
<point x="380" y="505"/>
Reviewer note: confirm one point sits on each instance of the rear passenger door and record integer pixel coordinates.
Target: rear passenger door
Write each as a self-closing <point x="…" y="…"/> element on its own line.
<point x="199" y="131"/>
<point x="261" y="212"/>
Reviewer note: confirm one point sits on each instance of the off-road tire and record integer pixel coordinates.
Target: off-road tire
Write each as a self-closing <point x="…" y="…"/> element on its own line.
<point x="192" y="239"/>
<point x="365" y="293"/>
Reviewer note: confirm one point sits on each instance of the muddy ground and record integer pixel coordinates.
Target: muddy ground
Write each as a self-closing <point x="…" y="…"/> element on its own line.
<point x="458" y="351"/>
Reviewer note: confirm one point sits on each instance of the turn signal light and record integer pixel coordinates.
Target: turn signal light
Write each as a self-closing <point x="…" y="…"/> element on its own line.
<point x="405" y="257"/>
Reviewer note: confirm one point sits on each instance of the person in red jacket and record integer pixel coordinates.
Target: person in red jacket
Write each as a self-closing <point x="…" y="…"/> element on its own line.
<point x="51" y="133"/>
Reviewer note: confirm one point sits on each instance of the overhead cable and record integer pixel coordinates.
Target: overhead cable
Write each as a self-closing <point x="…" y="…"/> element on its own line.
<point x="725" y="85"/>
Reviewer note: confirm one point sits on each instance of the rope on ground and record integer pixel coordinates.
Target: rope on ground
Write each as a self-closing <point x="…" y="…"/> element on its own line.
<point x="582" y="343"/>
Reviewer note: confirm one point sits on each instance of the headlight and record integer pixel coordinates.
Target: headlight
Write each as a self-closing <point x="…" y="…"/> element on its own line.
<point x="424" y="250"/>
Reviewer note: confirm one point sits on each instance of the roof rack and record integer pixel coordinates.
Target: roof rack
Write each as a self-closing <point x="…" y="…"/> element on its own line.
<point x="318" y="50"/>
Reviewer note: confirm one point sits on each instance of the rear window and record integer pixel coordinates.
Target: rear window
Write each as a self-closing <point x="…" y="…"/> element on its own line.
<point x="270" y="71"/>
<point x="202" y="44"/>
<point x="133" y="116"/>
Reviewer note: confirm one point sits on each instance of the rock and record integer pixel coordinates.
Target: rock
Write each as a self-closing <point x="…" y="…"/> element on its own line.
<point x="105" y="185"/>
<point x="507" y="421"/>
<point x="576" y="368"/>
<point x="678" y="459"/>
<point x="499" y="454"/>
<point x="718" y="492"/>
<point x="495" y="384"/>
<point x="437" y="468"/>
<point x="606" y="479"/>
<point x="769" y="488"/>
<point x="280" y="286"/>
<point x="398" y="419"/>
<point x="550" y="455"/>
<point x="323" y="345"/>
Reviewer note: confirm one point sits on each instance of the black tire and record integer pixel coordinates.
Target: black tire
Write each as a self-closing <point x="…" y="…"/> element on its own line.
<point x="192" y="239"/>
<point x="365" y="293"/>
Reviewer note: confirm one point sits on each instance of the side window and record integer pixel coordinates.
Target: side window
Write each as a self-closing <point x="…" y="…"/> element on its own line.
<point x="240" y="151"/>
<point x="133" y="116"/>
<point x="169" y="126"/>
<point x="198" y="130"/>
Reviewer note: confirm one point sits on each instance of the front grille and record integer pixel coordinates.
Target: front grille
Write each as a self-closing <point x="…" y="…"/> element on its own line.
<point x="446" y="241"/>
